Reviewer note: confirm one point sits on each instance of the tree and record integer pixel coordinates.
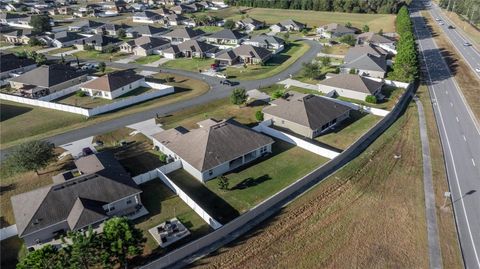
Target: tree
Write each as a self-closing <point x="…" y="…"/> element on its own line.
<point x="22" y="54"/>
<point x="32" y="55"/>
<point x="110" y="48"/>
<point x="286" y="36"/>
<point x="259" y="115"/>
<point x="229" y="24"/>
<point x="40" y="23"/>
<point x="33" y="41"/>
<point x="348" y="24"/>
<point x="84" y="249"/>
<point x="278" y="94"/>
<point x="348" y="39"/>
<point x="163" y="158"/>
<point x="41" y="59"/>
<point x="120" y="240"/>
<point x="311" y="70"/>
<point x="121" y="33"/>
<point x="371" y="99"/>
<point x="353" y="71"/>
<point x="238" y="96"/>
<point x="223" y="183"/>
<point x="380" y="32"/>
<point x="33" y="155"/>
<point x="81" y="94"/>
<point x="365" y="28"/>
<point x="45" y="257"/>
<point x="325" y="61"/>
<point x="102" y="66"/>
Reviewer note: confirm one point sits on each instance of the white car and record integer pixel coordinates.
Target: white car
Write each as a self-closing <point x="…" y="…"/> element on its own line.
<point x="477" y="69"/>
<point x="89" y="66"/>
<point x="441" y="23"/>
<point x="437" y="19"/>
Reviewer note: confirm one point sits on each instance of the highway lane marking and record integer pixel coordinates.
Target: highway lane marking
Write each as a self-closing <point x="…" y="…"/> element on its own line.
<point x="464" y="138"/>
<point x="451" y="156"/>
<point x="451" y="104"/>
<point x="457" y="119"/>
<point x="473" y="162"/>
<point x="446" y="92"/>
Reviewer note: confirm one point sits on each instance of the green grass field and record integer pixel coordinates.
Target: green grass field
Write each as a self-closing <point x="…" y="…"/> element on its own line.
<point x="26" y="48"/>
<point x="209" y="29"/>
<point x="97" y="55"/>
<point x="189" y="64"/>
<point x="148" y="59"/>
<point x="275" y="65"/>
<point x="60" y="50"/>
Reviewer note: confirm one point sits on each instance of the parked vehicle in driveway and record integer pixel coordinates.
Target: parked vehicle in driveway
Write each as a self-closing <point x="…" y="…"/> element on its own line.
<point x="87" y="151"/>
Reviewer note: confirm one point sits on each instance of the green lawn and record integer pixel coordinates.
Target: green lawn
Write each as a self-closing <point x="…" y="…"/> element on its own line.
<point x="20" y="123"/>
<point x="275" y="65"/>
<point x="60" y="50"/>
<point x="265" y="177"/>
<point x="339" y="49"/>
<point x="148" y="59"/>
<point x="163" y="204"/>
<point x="26" y="48"/>
<point x="189" y="64"/>
<point x="391" y="96"/>
<point x="85" y="101"/>
<point x="209" y="29"/>
<point x="349" y="130"/>
<point x="97" y="55"/>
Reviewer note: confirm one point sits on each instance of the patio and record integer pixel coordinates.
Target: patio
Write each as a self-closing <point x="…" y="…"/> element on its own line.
<point x="169" y="232"/>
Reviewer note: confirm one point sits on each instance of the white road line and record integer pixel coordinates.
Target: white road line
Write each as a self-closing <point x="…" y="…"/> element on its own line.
<point x="473" y="162"/>
<point x="457" y="119"/>
<point x="464" y="138"/>
<point x="451" y="156"/>
<point x="446" y="92"/>
<point x="451" y="104"/>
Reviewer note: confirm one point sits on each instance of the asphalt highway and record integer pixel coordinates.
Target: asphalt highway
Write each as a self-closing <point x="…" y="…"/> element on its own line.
<point x="460" y="139"/>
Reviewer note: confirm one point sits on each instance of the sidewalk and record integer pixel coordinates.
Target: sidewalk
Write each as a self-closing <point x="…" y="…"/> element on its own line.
<point x="296" y="83"/>
<point x="46" y="50"/>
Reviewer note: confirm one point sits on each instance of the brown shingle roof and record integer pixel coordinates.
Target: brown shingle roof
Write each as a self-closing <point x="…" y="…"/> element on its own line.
<point x="113" y="81"/>
<point x="353" y="82"/>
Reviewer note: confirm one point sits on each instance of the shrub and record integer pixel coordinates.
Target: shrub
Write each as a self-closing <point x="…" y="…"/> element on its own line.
<point x="81" y="94"/>
<point x="238" y="96"/>
<point x="371" y="99"/>
<point x="349" y="40"/>
<point x="277" y="94"/>
<point x="259" y="115"/>
<point x="353" y="71"/>
<point x="163" y="158"/>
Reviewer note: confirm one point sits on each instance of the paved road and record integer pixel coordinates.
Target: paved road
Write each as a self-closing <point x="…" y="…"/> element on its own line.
<point x="469" y="53"/>
<point x="460" y="141"/>
<point x="217" y="91"/>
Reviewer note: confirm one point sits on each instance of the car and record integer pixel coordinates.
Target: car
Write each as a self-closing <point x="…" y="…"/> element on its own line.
<point x="441" y="23"/>
<point x="89" y="66"/>
<point x="451" y="27"/>
<point x="229" y="82"/>
<point x="437" y="19"/>
<point x="477" y="69"/>
<point x="466" y="44"/>
<point x="87" y="151"/>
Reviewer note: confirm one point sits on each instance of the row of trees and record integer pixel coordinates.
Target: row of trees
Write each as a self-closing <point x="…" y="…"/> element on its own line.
<point x="354" y="6"/>
<point x="406" y="66"/>
<point x="119" y="241"/>
<point x="468" y="9"/>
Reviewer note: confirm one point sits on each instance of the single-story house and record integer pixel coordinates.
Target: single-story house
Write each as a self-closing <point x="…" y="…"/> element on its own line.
<point x="98" y="189"/>
<point x="47" y="79"/>
<point x="367" y="60"/>
<point x="246" y="54"/>
<point x="180" y="35"/>
<point x="66" y="39"/>
<point x="111" y="29"/>
<point x="333" y="30"/>
<point x="11" y="63"/>
<point x="145" y="45"/>
<point x="305" y="114"/>
<point x="181" y="9"/>
<point x="226" y="37"/>
<point x="249" y="24"/>
<point x="114" y="84"/>
<point x="191" y="49"/>
<point x="145" y="30"/>
<point x="15" y="20"/>
<point x="371" y="38"/>
<point x="351" y="86"/>
<point x="174" y="20"/>
<point x="287" y="25"/>
<point x="98" y="42"/>
<point x="146" y="17"/>
<point x="269" y="42"/>
<point x="86" y="26"/>
<point x="214" y="149"/>
<point x="18" y="36"/>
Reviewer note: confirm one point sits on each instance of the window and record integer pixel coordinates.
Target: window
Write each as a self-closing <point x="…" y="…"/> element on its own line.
<point x="129" y="201"/>
<point x="210" y="172"/>
<point x="110" y="208"/>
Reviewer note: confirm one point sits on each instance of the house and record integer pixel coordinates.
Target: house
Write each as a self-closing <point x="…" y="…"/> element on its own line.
<point x="15" y="20"/>
<point x="111" y="29"/>
<point x="226" y="37"/>
<point x="146" y="17"/>
<point x="86" y="26"/>
<point x="213" y="149"/>
<point x="66" y="39"/>
<point x="181" y="9"/>
<point x="366" y="60"/>
<point x="174" y="20"/>
<point x="145" y="45"/>
<point x="351" y="86"/>
<point x="114" y="84"/>
<point x="11" y="63"/>
<point x="249" y="24"/>
<point x="246" y="54"/>
<point x="287" y="25"/>
<point x="145" y="30"/>
<point x="99" y="188"/>
<point x="371" y="38"/>
<point x="334" y="30"/>
<point x="47" y="79"/>
<point x="180" y="35"/>
<point x="269" y="42"/>
<point x="191" y="49"/>
<point x="21" y="36"/>
<point x="98" y="42"/>
<point x="305" y="114"/>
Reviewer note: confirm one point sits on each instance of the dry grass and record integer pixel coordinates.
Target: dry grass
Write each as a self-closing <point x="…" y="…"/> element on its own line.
<point x="370" y="214"/>
<point x="451" y="255"/>
<point x="466" y="79"/>
<point x="340" y="49"/>
<point x="465" y="27"/>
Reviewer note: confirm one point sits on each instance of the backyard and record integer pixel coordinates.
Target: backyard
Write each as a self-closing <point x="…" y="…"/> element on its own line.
<point x="99" y="56"/>
<point x="189" y="64"/>
<point x="338" y="49"/>
<point x="275" y="65"/>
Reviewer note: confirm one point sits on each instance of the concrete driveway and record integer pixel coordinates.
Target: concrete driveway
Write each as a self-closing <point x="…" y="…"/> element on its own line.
<point x="148" y="127"/>
<point x="76" y="148"/>
<point x="70" y="52"/>
<point x="128" y="59"/>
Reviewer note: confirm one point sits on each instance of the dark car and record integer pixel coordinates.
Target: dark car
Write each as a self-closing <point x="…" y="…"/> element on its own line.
<point x="229" y="82"/>
<point x="451" y="27"/>
<point x="87" y="151"/>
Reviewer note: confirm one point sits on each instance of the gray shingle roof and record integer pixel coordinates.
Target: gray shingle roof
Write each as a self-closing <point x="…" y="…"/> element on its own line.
<point x="252" y="51"/>
<point x="338" y="28"/>
<point x="101" y="40"/>
<point x="213" y="144"/>
<point x="10" y="61"/>
<point x="196" y="46"/>
<point x="113" y="81"/>
<point x="146" y="30"/>
<point x="267" y="39"/>
<point x="360" y="50"/>
<point x="308" y="110"/>
<point x="228" y="34"/>
<point x="38" y="209"/>
<point x="185" y="33"/>
<point x="368" y="62"/>
<point x="374" y="38"/>
<point x="353" y="82"/>
<point x="48" y="75"/>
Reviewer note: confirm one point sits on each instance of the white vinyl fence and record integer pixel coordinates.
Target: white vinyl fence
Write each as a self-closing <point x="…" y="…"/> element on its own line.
<point x="263" y="127"/>
<point x="161" y="173"/>
<point x="66" y="91"/>
<point x="45" y="104"/>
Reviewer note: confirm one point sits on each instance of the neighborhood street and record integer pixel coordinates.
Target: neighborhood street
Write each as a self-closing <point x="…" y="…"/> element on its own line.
<point x="460" y="140"/>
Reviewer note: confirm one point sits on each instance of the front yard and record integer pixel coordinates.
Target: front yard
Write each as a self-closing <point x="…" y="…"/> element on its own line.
<point x="275" y="65"/>
<point x="100" y="56"/>
<point x="338" y="49"/>
<point x="189" y="64"/>
<point x="148" y="59"/>
<point x="26" y="48"/>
